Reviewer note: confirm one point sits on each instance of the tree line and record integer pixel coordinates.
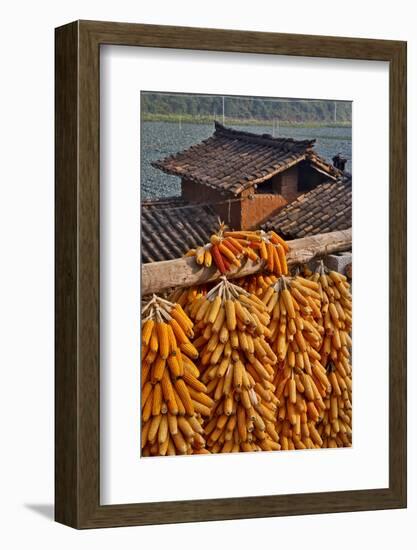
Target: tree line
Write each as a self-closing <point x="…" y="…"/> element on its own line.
<point x="245" y="108"/>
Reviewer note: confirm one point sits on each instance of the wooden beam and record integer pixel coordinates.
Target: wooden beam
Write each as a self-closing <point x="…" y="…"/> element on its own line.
<point x="160" y="276"/>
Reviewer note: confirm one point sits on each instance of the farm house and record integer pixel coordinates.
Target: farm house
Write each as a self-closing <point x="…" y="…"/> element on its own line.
<point x="249" y="181"/>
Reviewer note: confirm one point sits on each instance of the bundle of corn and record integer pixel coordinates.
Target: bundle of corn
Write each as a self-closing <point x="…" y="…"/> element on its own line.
<point x="257" y="283"/>
<point x="265" y="246"/>
<point x="335" y="426"/>
<point x="225" y="251"/>
<point x="185" y="297"/>
<point x="228" y="248"/>
<point x="174" y="400"/>
<point x="236" y="364"/>
<point x="300" y="379"/>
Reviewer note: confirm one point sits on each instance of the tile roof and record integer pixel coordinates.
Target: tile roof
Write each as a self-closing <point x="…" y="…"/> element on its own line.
<point x="232" y="160"/>
<point x="327" y="207"/>
<point x="171" y="226"/>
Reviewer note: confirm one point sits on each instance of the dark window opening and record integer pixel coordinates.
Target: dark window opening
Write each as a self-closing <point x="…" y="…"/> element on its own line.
<point x="271" y="186"/>
<point x="308" y="178"/>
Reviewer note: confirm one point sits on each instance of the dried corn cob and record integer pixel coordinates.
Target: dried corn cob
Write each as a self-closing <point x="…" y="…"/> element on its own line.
<point x="228" y="248"/>
<point x="186" y="297"/>
<point x="235" y="362"/>
<point x="257" y="283"/>
<point x="174" y="401"/>
<point x="335" y="426"/>
<point x="300" y="379"/>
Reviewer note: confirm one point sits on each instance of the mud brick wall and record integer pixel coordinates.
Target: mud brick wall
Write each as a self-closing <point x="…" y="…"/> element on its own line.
<point x="289" y="184"/>
<point x="258" y="209"/>
<point x="230" y="213"/>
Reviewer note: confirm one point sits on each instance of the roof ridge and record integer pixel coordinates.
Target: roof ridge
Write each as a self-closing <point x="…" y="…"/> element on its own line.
<point x="266" y="139"/>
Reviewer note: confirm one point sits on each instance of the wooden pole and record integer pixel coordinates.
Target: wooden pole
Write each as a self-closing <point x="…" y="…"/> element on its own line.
<point x="160" y="276"/>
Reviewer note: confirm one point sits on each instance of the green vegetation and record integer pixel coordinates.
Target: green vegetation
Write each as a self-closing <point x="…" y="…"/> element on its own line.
<point x="184" y="119"/>
<point x="238" y="110"/>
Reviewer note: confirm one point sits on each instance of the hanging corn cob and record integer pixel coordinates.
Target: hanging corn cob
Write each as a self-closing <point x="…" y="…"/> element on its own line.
<point x="225" y="252"/>
<point x="265" y="246"/>
<point x="335" y="426"/>
<point x="257" y="283"/>
<point x="300" y="380"/>
<point x="236" y="365"/>
<point x="174" y="400"/>
<point x="185" y="297"/>
<point x="228" y="249"/>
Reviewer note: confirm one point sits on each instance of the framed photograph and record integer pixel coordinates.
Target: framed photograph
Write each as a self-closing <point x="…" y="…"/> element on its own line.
<point x="230" y="274"/>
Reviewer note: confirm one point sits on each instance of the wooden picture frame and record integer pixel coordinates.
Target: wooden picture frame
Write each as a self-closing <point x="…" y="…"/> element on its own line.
<point x="77" y="384"/>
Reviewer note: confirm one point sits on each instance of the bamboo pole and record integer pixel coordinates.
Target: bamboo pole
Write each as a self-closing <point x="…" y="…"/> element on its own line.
<point x="160" y="276"/>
